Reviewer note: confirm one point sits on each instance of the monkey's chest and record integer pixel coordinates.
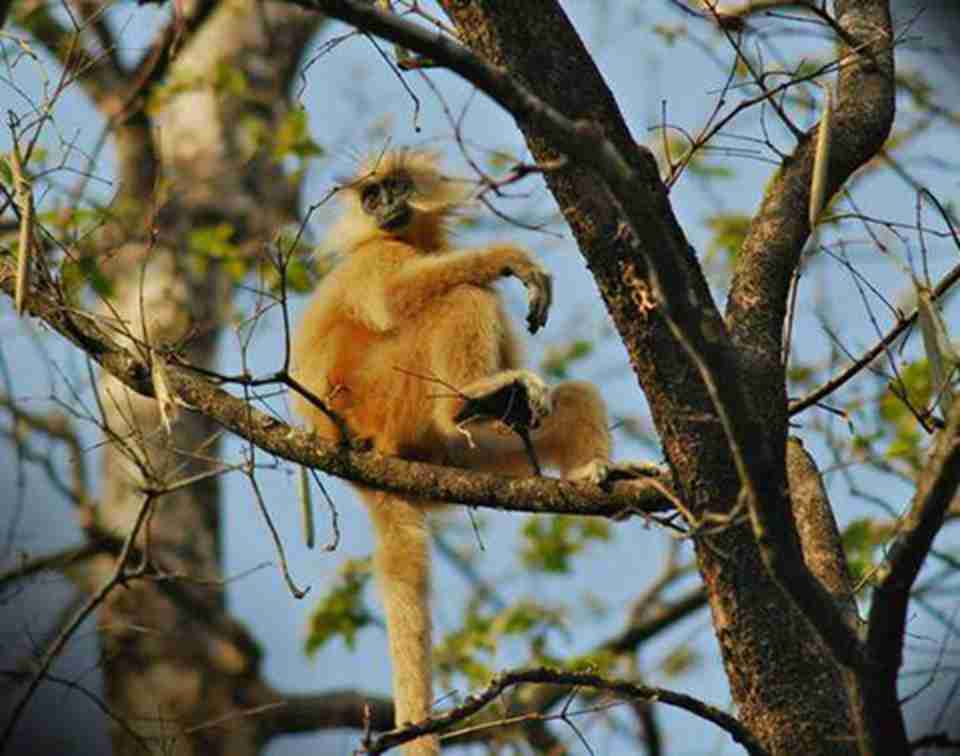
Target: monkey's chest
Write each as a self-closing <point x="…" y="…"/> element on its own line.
<point x="354" y="347"/>
<point x="366" y="362"/>
<point x="380" y="383"/>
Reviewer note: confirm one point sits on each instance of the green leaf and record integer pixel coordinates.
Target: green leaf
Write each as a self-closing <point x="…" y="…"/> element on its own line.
<point x="941" y="356"/>
<point x="899" y="420"/>
<point x="861" y="540"/>
<point x="229" y="79"/>
<point x="680" y="660"/>
<point x="670" y="33"/>
<point x="481" y="634"/>
<point x="501" y="160"/>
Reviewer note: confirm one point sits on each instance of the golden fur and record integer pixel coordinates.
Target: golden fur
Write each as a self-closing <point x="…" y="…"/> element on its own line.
<point x="403" y="307"/>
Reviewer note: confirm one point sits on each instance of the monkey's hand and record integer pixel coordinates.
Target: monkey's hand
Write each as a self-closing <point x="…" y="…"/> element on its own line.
<point x="516" y="398"/>
<point x="539" y="296"/>
<point x="516" y="262"/>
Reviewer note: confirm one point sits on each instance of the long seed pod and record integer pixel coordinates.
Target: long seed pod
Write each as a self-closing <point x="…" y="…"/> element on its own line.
<point x="306" y="508"/>
<point x="23" y="194"/>
<point x="941" y="355"/>
<point x="821" y="160"/>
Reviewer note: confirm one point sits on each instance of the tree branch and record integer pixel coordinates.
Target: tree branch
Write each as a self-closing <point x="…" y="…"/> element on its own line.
<point x="618" y="688"/>
<point x="95" y="73"/>
<point x="57" y="561"/>
<point x="305" y="448"/>
<point x="309" y="712"/>
<point x="936" y="488"/>
<point x="946" y="283"/>
<point x="117" y="577"/>
<point x="817" y="528"/>
<point x="664" y="616"/>
<point x="772" y="249"/>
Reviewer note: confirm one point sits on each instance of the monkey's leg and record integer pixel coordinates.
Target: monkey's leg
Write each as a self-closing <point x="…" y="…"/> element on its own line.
<point x="575" y="436"/>
<point x="567" y="426"/>
<point x="402" y="565"/>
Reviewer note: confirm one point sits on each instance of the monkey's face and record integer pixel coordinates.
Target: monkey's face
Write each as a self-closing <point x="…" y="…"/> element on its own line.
<point x="387" y="201"/>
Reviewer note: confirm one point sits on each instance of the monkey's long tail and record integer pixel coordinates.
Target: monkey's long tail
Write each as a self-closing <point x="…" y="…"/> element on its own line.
<point x="402" y="565"/>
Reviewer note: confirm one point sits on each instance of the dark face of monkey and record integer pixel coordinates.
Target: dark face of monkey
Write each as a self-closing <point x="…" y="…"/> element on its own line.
<point x="388" y="201"/>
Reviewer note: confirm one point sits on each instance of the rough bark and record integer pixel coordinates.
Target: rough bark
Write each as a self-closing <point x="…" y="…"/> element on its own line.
<point x="788" y="690"/>
<point x="168" y="673"/>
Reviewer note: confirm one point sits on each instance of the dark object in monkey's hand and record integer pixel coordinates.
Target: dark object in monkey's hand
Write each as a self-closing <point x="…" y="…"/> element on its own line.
<point x="510" y="404"/>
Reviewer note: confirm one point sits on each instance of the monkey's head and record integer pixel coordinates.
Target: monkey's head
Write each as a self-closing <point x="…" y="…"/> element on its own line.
<point x="400" y="194"/>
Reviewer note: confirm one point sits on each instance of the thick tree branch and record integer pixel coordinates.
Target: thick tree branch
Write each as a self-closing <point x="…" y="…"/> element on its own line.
<point x="819" y="537"/>
<point x="771" y="252"/>
<point x="757" y="305"/>
<point x="388" y="473"/>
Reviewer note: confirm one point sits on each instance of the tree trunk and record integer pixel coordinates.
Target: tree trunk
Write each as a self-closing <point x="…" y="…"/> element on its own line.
<point x="787" y="688"/>
<point x="173" y="665"/>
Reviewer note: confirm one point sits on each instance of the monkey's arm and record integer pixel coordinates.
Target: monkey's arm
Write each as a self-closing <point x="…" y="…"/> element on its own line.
<point x="418" y="281"/>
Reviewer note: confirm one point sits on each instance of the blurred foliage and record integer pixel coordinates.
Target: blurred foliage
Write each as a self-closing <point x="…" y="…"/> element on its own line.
<point x="898" y="410"/>
<point x="729" y="230"/>
<point x="471" y="649"/>
<point x="550" y="543"/>
<point x="342" y="612"/>
<point x="863" y="540"/>
<point x="679" y="661"/>
<point x="558" y="358"/>
<point x="293" y="137"/>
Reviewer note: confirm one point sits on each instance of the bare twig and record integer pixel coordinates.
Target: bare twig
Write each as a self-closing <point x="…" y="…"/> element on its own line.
<point x="619" y="688"/>
<point x="58" y="561"/>
<point x="946" y="283"/>
<point x="120" y="574"/>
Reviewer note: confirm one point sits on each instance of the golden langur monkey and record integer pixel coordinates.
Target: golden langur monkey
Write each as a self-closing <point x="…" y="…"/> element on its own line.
<point x="407" y="341"/>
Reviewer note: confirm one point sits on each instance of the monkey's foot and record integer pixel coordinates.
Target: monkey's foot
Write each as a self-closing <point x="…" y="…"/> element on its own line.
<point x="518" y="399"/>
<point x="603" y="473"/>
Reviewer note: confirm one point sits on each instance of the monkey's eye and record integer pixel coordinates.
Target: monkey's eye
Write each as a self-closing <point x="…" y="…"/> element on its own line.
<point x="371" y="197"/>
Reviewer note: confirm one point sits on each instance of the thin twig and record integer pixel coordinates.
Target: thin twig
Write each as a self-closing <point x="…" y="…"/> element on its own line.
<point x="119" y="576"/>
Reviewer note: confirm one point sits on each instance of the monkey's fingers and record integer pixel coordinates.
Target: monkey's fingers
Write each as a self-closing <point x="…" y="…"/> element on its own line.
<point x="539" y="296"/>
